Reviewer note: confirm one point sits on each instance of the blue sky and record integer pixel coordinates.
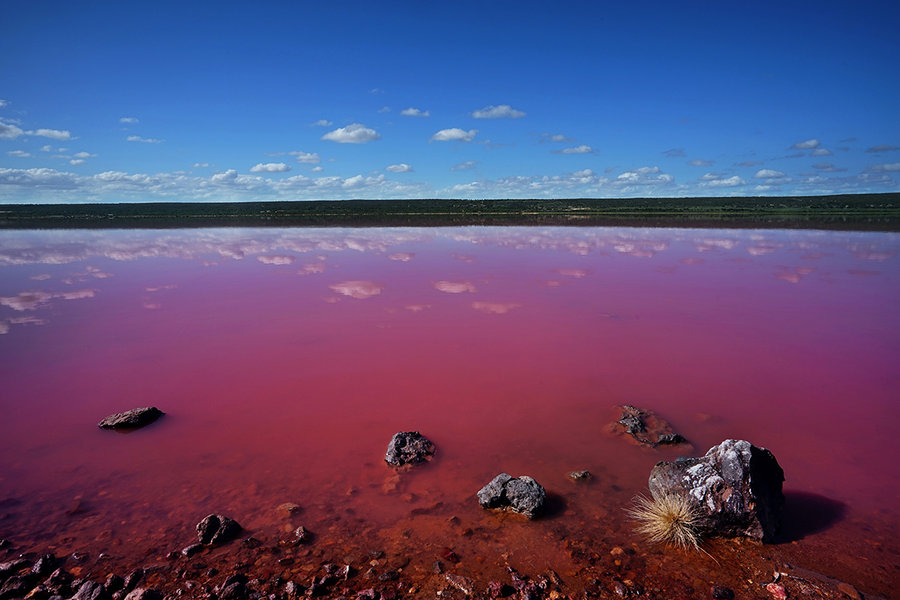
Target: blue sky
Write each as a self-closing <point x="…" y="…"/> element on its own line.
<point x="165" y="101"/>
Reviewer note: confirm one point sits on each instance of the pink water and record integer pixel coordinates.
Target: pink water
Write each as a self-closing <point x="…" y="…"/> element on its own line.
<point x="286" y="358"/>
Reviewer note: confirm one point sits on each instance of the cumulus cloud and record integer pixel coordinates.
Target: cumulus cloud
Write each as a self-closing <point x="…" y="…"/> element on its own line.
<point x="56" y="134"/>
<point x="8" y="131"/>
<point x="454" y="134"/>
<point x="454" y="287"/>
<point x="322" y="123"/>
<point x="143" y="140"/>
<point x="827" y="167"/>
<point x="749" y="163"/>
<point x="494" y="308"/>
<point x="821" y="152"/>
<point x="806" y="145"/>
<point x="464" y="166"/>
<point x="200" y="165"/>
<point x="399" y="168"/>
<point x="501" y="111"/>
<point x="582" y="149"/>
<point x="643" y="176"/>
<point x="276" y="259"/>
<point x="307" y="158"/>
<point x="357" y="289"/>
<point x="355" y="133"/>
<point x="270" y="168"/>
<point x="19" y="154"/>
<point x="415" y="112"/>
<point x="769" y="174"/>
<point x="885" y="167"/>
<point x="128" y="120"/>
<point x="732" y="181"/>
<point x="873" y="149"/>
<point x="84" y="155"/>
<point x="699" y="162"/>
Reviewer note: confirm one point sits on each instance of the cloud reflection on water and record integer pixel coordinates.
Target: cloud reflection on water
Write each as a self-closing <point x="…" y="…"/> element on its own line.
<point x="357" y="289"/>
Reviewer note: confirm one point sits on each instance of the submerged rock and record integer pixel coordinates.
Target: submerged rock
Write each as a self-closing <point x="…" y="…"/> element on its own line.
<point x="579" y="475"/>
<point x="217" y="529"/>
<point x="131" y="419"/>
<point x="521" y="495"/>
<point x="409" y="448"/>
<point x="646" y="427"/>
<point x="735" y="488"/>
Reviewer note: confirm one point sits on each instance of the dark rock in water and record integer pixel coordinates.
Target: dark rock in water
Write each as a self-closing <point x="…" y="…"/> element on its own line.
<point x="409" y="448"/>
<point x="90" y="590"/>
<point x="646" y="427"/>
<point x="522" y="495"/>
<point x="18" y="586"/>
<point x="217" y="529"/>
<point x="131" y="419"/>
<point x="144" y="594"/>
<point x="735" y="488"/>
<point x="579" y="475"/>
<point x="301" y="535"/>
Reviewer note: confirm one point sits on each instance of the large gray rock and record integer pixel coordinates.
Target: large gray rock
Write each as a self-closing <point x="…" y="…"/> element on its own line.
<point x="409" y="448"/>
<point x="217" y="529"/>
<point x="521" y="495"/>
<point x="735" y="488"/>
<point x="131" y="419"/>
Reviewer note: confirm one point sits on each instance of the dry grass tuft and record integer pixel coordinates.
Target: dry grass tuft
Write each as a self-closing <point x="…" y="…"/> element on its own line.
<point x="670" y="519"/>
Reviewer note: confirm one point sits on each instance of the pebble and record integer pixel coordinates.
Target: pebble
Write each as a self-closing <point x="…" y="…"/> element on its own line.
<point x="777" y="591"/>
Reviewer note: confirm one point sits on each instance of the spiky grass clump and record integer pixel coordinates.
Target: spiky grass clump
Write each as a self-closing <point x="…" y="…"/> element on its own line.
<point x="669" y="519"/>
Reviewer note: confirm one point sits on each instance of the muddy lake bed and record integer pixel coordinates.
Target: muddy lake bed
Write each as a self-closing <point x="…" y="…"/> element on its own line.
<point x="286" y="358"/>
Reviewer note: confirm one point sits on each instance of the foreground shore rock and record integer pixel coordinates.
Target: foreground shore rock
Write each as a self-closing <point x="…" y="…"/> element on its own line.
<point x="735" y="488"/>
<point x="521" y="495"/>
<point x="131" y="419"/>
<point x="409" y="448"/>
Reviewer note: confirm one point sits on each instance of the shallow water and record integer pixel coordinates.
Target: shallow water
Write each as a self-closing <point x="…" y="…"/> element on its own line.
<point x="286" y="358"/>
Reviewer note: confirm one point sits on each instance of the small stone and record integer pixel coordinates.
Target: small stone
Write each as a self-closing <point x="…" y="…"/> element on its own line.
<point x="579" y="475"/>
<point x="131" y="419"/>
<point x="620" y="589"/>
<point x="409" y="448"/>
<point x="437" y="568"/>
<point x="144" y="594"/>
<point x="463" y="584"/>
<point x="849" y="591"/>
<point x="777" y="591"/>
<point x="288" y="507"/>
<point x="301" y="536"/>
<point x="217" y="529"/>
<point x="720" y="592"/>
<point x="617" y="551"/>
<point x="191" y="550"/>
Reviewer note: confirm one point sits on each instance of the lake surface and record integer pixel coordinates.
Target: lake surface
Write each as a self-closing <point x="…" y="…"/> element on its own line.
<point x="286" y="359"/>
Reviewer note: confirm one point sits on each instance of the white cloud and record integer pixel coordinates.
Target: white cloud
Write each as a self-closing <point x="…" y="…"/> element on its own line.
<point x="19" y="154"/>
<point x="643" y="176"/>
<point x="806" y="145"/>
<point x="885" y="167"/>
<point x="454" y="287"/>
<point x="769" y="174"/>
<point x="316" y="170"/>
<point x="270" y="168"/>
<point x="357" y="289"/>
<point x="3" y="103"/>
<point x="555" y="138"/>
<point x="137" y="138"/>
<point x="384" y="109"/>
<point x="77" y="161"/>
<point x="128" y="120"/>
<point x="582" y="149"/>
<point x="276" y="259"/>
<point x="502" y="111"/>
<point x="454" y="134"/>
<point x="307" y="158"/>
<point x="415" y="112"/>
<point x="56" y="134"/>
<point x="732" y="181"/>
<point x="200" y="165"/>
<point x="355" y="133"/>
<point x="84" y="155"/>
<point x="322" y="123"/>
<point x="464" y="166"/>
<point x="8" y="131"/>
<point x="821" y="152"/>
<point x="699" y="162"/>
<point x="399" y="168"/>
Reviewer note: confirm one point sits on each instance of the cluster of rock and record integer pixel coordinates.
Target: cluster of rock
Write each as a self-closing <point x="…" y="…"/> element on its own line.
<point x="45" y="578"/>
<point x="521" y="495"/>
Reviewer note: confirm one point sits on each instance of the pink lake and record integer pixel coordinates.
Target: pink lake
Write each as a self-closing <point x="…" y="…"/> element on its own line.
<point x="285" y="359"/>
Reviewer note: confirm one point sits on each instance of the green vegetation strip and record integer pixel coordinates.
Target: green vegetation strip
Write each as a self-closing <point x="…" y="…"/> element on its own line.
<point x="858" y="211"/>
